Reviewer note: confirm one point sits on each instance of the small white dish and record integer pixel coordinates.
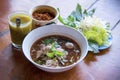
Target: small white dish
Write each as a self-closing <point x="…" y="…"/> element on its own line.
<point x="44" y="8"/>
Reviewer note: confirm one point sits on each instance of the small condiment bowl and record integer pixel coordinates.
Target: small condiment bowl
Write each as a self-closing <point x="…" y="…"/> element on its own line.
<point x="45" y="9"/>
<point x="48" y="30"/>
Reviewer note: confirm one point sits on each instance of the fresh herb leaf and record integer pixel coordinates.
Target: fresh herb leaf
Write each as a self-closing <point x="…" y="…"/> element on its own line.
<point x="107" y="25"/>
<point x="78" y="12"/>
<point x="50" y="54"/>
<point x="85" y="12"/>
<point x="69" y="21"/>
<point x="38" y="61"/>
<point x="62" y="20"/>
<point x="53" y="53"/>
<point x="58" y="53"/>
<point x="88" y="13"/>
<point x="91" y="12"/>
<point x="94" y="47"/>
<point x="70" y="18"/>
<point x="54" y="59"/>
<point x="79" y="8"/>
<point x="53" y="46"/>
<point x="47" y="41"/>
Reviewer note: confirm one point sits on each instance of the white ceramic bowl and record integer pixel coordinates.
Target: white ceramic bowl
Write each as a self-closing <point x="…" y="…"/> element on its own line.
<point x="45" y="8"/>
<point x="54" y="30"/>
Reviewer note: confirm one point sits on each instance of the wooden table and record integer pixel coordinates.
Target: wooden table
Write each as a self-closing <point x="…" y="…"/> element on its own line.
<point x="102" y="66"/>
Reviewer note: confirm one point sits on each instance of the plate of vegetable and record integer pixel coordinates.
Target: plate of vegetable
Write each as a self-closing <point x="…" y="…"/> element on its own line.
<point x="96" y="31"/>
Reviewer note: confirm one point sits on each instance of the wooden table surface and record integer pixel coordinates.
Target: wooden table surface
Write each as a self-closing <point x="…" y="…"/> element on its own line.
<point x="102" y="66"/>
